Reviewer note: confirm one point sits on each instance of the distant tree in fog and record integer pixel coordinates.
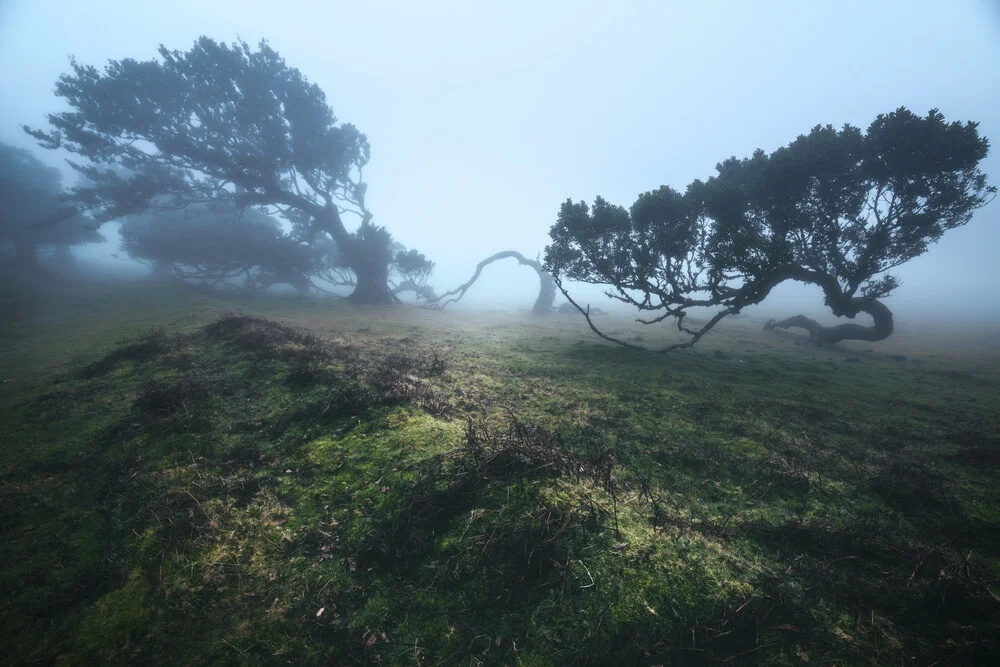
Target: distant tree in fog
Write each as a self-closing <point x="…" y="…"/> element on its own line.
<point x="220" y="245"/>
<point x="835" y="208"/>
<point x="412" y="265"/>
<point x="222" y="123"/>
<point x="414" y="269"/>
<point x="546" y="284"/>
<point x="33" y="215"/>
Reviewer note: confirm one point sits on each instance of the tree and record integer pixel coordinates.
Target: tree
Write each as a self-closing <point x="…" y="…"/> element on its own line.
<point x="221" y="123"/>
<point x="219" y="245"/>
<point x="33" y="214"/>
<point x="414" y="269"/>
<point x="835" y="208"/>
<point x="546" y="284"/>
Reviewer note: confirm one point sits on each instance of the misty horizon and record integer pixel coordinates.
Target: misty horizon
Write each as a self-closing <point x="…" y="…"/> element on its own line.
<point x="483" y="122"/>
<point x="450" y="333"/>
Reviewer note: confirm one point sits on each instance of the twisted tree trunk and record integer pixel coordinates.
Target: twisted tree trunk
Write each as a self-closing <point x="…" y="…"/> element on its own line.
<point x="366" y="253"/>
<point x="546" y="290"/>
<point x="753" y="292"/>
<point x="369" y="257"/>
<point x="546" y="284"/>
<point x="373" y="285"/>
<point x="881" y="328"/>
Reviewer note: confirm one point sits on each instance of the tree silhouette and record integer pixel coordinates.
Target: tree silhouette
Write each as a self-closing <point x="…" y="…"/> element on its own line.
<point x="221" y="123"/>
<point x="546" y="285"/>
<point x="835" y="208"/>
<point x="34" y="215"/>
<point x="414" y="269"/>
<point x="219" y="245"/>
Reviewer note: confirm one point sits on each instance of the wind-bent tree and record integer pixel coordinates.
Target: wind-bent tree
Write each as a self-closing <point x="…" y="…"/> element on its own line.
<point x="414" y="269"/>
<point x="33" y="215"/>
<point x="835" y="208"/>
<point x="546" y="284"/>
<point x="221" y="123"/>
<point x="218" y="245"/>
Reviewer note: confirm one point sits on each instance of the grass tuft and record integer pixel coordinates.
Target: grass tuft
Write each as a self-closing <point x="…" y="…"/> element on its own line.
<point x="406" y="489"/>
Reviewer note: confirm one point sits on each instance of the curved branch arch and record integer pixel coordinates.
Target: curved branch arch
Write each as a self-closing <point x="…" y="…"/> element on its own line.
<point x="546" y="284"/>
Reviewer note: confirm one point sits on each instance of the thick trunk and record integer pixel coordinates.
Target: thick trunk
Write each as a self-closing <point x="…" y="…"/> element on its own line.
<point x="546" y="291"/>
<point x="369" y="256"/>
<point x="373" y="286"/>
<point x="366" y="253"/>
<point x="881" y="328"/>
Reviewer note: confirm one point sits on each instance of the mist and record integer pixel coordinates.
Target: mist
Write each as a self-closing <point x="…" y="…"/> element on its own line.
<point x="560" y="333"/>
<point x="482" y="121"/>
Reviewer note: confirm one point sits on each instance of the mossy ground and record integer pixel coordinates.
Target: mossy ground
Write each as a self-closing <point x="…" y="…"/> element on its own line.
<point x="309" y="483"/>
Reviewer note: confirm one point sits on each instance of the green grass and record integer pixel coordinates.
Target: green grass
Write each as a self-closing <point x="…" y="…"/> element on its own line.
<point x="308" y="483"/>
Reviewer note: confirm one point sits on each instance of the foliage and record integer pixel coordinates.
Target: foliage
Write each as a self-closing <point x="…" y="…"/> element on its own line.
<point x="413" y="266"/>
<point x="34" y="214"/>
<point x="835" y="208"/>
<point x="217" y="243"/>
<point x="218" y="123"/>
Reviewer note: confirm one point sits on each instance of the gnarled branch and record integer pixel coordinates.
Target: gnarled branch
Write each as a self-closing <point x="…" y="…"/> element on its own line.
<point x="546" y="283"/>
<point x="881" y="329"/>
<point x="695" y="334"/>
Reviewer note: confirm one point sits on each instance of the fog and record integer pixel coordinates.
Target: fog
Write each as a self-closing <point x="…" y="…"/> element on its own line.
<point x="279" y="387"/>
<point x="483" y="120"/>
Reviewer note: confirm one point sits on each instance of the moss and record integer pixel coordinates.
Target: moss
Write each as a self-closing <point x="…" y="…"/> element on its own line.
<point x="239" y="490"/>
<point x="114" y="627"/>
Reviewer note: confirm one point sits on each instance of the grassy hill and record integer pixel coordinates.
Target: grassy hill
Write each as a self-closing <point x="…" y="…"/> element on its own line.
<point x="199" y="478"/>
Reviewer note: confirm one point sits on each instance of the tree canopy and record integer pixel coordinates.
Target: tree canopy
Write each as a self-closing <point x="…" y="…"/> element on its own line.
<point x="34" y="214"/>
<point x="412" y="269"/>
<point x="413" y="266"/>
<point x="219" y="245"/>
<point x="546" y="285"/>
<point x="220" y="123"/>
<point x="835" y="208"/>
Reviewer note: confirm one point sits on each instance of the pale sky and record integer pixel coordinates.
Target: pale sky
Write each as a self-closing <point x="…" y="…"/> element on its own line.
<point x="483" y="117"/>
